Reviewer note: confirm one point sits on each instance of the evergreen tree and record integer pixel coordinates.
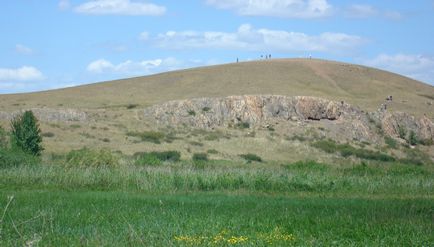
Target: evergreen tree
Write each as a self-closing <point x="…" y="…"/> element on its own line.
<point x="26" y="133"/>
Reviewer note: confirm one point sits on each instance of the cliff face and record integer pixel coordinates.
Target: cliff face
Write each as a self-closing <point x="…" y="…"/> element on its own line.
<point x="264" y="110"/>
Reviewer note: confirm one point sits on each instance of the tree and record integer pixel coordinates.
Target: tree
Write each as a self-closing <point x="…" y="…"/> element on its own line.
<point x="26" y="133"/>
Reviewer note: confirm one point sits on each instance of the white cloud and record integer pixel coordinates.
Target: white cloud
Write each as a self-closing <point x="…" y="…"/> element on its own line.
<point x="361" y="11"/>
<point x="120" y="7"/>
<point x="415" y="66"/>
<point x="367" y="11"/>
<point x="22" y="49"/>
<point x="25" y="73"/>
<point x="64" y="4"/>
<point x="144" y="36"/>
<point x="276" y="8"/>
<point x="130" y="67"/>
<point x="251" y="39"/>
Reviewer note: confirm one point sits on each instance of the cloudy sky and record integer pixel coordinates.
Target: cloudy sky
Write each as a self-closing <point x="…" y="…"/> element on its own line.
<point x="58" y="43"/>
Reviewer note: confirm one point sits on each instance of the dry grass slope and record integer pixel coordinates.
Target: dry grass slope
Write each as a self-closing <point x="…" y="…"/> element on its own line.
<point x="358" y="85"/>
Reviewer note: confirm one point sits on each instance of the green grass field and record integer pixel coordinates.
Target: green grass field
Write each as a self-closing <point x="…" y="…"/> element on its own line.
<point x="217" y="203"/>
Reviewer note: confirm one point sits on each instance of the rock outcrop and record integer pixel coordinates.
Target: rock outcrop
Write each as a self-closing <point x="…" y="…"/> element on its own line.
<point x="262" y="110"/>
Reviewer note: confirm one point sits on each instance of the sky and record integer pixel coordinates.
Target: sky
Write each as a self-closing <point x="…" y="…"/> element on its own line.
<point x="61" y="43"/>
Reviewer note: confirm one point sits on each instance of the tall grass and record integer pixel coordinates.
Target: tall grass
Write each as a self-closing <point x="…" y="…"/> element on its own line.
<point x="174" y="177"/>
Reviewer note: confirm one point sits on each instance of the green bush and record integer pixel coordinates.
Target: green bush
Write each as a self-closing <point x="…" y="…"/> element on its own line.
<point x="157" y="158"/>
<point x="148" y="159"/>
<point x="92" y="158"/>
<point x="48" y="134"/>
<point x="212" y="151"/>
<point x="251" y="157"/>
<point x="26" y="133"/>
<point x="347" y="150"/>
<point x="3" y="138"/>
<point x="200" y="157"/>
<point x="390" y="142"/>
<point x="242" y="125"/>
<point x="149" y="136"/>
<point x="426" y="142"/>
<point x="191" y="113"/>
<point x="206" y="109"/>
<point x="402" y="131"/>
<point x="16" y="157"/>
<point x="412" y="138"/>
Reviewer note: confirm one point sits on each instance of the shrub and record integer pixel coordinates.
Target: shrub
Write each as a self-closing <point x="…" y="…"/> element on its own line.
<point x="251" y="157"/>
<point x="148" y="159"/>
<point x="26" y="133"/>
<point x="412" y="138"/>
<point x="3" y="138"/>
<point x="48" y="134"/>
<point x="191" y="113"/>
<point x="16" y="157"/>
<point x="200" y="157"/>
<point x="195" y="143"/>
<point x="75" y="126"/>
<point x="426" y="142"/>
<point x="148" y="136"/>
<point x="347" y="150"/>
<point x="105" y="140"/>
<point x="212" y="151"/>
<point x="390" y="142"/>
<point x="402" y="132"/>
<point x="206" y="109"/>
<point x="132" y="106"/>
<point x="242" y="125"/>
<point x="156" y="158"/>
<point x="92" y="158"/>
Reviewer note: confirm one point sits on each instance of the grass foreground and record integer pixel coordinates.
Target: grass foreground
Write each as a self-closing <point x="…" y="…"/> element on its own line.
<point x="217" y="203"/>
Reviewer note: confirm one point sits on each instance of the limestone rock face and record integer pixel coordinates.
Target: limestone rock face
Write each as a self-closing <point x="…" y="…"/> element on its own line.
<point x="262" y="110"/>
<point x="253" y="109"/>
<point x="392" y="123"/>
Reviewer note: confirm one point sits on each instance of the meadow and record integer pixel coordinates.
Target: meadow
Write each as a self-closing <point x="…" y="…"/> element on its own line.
<point x="215" y="203"/>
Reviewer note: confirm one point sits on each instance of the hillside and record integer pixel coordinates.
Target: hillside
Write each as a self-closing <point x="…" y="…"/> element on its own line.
<point x="358" y="85"/>
<point x="119" y="114"/>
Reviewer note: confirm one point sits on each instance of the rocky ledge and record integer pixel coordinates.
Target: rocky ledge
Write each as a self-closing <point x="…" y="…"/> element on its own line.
<point x="263" y="110"/>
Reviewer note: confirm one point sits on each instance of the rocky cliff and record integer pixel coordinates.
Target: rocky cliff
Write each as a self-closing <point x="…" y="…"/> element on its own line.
<point x="265" y="110"/>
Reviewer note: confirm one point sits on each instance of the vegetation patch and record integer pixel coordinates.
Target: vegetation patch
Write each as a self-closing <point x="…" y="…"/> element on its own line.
<point x="157" y="158"/>
<point x="148" y="136"/>
<point x="131" y="106"/>
<point x="200" y="157"/>
<point x="390" y="142"/>
<point x="195" y="143"/>
<point x="86" y="157"/>
<point x="242" y="125"/>
<point x="251" y="157"/>
<point x="347" y="150"/>
<point x="191" y="112"/>
<point x="75" y="126"/>
<point x="48" y="134"/>
<point x="16" y="157"/>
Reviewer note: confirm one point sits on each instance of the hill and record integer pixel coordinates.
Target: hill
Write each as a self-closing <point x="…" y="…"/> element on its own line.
<point x="358" y="85"/>
<point x="114" y="114"/>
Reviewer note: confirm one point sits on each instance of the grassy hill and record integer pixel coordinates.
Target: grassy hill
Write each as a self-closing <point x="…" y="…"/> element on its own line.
<point x="358" y="85"/>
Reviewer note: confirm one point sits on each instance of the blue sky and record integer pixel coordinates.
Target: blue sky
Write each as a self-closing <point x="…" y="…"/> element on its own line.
<point x="59" y="43"/>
